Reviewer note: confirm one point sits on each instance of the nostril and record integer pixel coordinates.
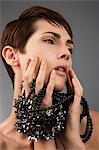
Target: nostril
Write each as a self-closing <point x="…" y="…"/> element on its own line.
<point x="63" y="56"/>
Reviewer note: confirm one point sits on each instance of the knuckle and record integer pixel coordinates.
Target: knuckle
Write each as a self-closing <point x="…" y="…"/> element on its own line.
<point x="42" y="68"/>
<point x="50" y="87"/>
<point x="38" y="83"/>
<point x="26" y="77"/>
<point x="30" y="78"/>
<point x="47" y="102"/>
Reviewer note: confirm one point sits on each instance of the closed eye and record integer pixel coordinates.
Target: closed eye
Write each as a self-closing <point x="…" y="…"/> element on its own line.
<point x="50" y="41"/>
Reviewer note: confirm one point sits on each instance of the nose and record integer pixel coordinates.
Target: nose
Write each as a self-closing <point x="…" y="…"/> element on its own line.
<point x="64" y="53"/>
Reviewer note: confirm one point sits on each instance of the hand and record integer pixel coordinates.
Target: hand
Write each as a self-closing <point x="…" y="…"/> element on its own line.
<point x="72" y="137"/>
<point x="30" y="74"/>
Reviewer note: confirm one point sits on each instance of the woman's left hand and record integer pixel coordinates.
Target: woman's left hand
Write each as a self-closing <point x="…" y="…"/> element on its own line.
<point x="72" y="137"/>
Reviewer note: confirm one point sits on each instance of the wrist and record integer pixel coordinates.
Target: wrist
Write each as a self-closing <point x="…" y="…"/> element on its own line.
<point x="75" y="147"/>
<point x="74" y="143"/>
<point x="45" y="145"/>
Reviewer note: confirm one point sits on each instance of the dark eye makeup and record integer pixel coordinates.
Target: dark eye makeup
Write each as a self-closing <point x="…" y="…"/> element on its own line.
<point x="71" y="50"/>
<point x="50" y="41"/>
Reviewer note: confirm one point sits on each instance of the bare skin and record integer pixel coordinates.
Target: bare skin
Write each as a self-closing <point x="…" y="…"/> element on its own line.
<point x="14" y="141"/>
<point x="48" y="58"/>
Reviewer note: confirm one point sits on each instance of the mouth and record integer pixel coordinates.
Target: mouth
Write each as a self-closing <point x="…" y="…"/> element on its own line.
<point x="61" y="70"/>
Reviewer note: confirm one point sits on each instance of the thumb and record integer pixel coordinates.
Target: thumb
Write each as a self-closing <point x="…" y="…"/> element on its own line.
<point x="73" y="120"/>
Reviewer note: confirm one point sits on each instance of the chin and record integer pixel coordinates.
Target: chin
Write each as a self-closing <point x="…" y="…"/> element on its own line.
<point x="59" y="82"/>
<point x="59" y="85"/>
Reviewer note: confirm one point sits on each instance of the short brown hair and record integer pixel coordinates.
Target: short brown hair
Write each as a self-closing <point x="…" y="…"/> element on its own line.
<point x="17" y="32"/>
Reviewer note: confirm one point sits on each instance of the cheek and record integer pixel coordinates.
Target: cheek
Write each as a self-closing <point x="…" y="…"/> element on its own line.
<point x="37" y="51"/>
<point x="44" y="53"/>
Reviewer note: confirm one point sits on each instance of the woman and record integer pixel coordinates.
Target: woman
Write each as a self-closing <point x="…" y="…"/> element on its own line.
<point x="38" y="45"/>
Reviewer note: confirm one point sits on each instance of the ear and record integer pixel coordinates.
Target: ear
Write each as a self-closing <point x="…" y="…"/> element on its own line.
<point x="10" y="55"/>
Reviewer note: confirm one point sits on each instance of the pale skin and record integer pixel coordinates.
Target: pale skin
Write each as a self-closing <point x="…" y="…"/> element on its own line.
<point x="44" y="52"/>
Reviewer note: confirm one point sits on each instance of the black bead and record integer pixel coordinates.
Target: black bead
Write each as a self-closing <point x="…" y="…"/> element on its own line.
<point x="46" y="123"/>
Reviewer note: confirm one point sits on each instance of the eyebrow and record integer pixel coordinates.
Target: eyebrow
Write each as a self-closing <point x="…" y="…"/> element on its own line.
<point x="58" y="36"/>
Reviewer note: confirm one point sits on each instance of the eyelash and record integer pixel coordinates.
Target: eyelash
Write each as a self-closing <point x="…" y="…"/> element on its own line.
<point x="71" y="50"/>
<point x="50" y="41"/>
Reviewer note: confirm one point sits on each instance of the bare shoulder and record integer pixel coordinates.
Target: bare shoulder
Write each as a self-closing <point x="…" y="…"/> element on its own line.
<point x="2" y="142"/>
<point x="95" y="115"/>
<point x="93" y="143"/>
<point x="2" y="139"/>
<point x="95" y="119"/>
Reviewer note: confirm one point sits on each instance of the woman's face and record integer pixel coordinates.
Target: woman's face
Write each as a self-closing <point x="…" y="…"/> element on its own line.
<point x="52" y="44"/>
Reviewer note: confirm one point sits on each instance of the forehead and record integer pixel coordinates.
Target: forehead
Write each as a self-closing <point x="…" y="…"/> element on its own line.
<point x="44" y="26"/>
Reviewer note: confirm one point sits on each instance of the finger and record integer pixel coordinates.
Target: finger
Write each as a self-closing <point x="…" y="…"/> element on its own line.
<point x="26" y="64"/>
<point x="75" y="107"/>
<point x="26" y="87"/>
<point x="69" y="85"/>
<point x="41" y="77"/>
<point x="75" y="76"/>
<point x="74" y="113"/>
<point x="73" y="117"/>
<point x="28" y="76"/>
<point x="78" y="90"/>
<point x="77" y="85"/>
<point x="30" y="72"/>
<point x="77" y="95"/>
<point x="73" y="121"/>
<point x="22" y="88"/>
<point x="47" y="101"/>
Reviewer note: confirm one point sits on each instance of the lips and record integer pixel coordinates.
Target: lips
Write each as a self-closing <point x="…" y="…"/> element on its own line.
<point x="61" y="70"/>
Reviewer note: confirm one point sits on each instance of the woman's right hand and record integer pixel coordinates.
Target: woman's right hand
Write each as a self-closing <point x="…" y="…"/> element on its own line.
<point x="29" y="74"/>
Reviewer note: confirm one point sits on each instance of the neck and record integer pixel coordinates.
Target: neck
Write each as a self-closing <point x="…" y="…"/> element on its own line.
<point x="17" y="86"/>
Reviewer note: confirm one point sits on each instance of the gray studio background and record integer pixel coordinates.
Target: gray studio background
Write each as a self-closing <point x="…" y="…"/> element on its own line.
<point x="84" y="20"/>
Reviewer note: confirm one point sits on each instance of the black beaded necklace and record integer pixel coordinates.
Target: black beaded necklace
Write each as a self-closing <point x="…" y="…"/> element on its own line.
<point x="45" y="123"/>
